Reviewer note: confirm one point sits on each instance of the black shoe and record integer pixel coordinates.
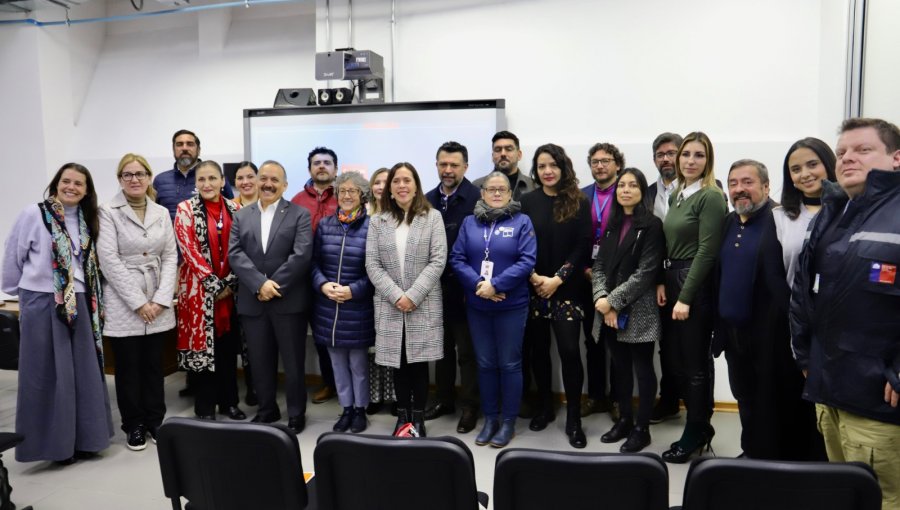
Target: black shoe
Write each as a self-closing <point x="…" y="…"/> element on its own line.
<point x="637" y="440"/>
<point x="577" y="439"/>
<point x="467" y="421"/>
<point x="137" y="439"/>
<point x="233" y="412"/>
<point x="359" y="423"/>
<point x="541" y="420"/>
<point x="374" y="408"/>
<point x="418" y="421"/>
<point x="692" y="441"/>
<point x="153" y="432"/>
<point x="402" y="419"/>
<point x="66" y="462"/>
<point x="619" y="431"/>
<point x="438" y="410"/>
<point x="208" y="417"/>
<point x="267" y="418"/>
<point x="662" y="412"/>
<point x="250" y="398"/>
<point x="297" y="423"/>
<point x="343" y="423"/>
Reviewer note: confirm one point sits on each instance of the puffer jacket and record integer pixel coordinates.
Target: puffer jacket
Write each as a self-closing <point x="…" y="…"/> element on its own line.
<point x="846" y="333"/>
<point x="339" y="256"/>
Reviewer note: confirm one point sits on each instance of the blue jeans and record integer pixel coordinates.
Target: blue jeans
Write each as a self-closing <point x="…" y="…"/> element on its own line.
<point x="497" y="339"/>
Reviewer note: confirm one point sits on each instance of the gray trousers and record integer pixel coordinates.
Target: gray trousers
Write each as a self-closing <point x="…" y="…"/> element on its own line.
<point x="351" y="375"/>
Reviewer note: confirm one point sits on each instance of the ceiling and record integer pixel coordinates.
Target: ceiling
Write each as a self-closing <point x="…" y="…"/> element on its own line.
<point x="24" y="6"/>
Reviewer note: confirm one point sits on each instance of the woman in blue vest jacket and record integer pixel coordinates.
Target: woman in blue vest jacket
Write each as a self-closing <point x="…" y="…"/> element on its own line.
<point x="343" y="317"/>
<point x="493" y="258"/>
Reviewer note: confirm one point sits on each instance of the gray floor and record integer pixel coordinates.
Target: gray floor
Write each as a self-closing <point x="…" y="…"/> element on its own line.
<point x="120" y="478"/>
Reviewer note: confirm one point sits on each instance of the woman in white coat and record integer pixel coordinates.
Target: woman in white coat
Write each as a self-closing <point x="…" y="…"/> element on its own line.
<point x="406" y="251"/>
<point x="138" y="259"/>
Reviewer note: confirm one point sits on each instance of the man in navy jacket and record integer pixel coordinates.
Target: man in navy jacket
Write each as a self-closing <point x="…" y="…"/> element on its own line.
<point x="177" y="185"/>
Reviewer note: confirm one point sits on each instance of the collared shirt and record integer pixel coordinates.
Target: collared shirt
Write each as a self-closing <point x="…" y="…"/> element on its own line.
<point x="663" y="193"/>
<point x="737" y="257"/>
<point x="445" y="197"/>
<point x="688" y="191"/>
<point x="266" y="217"/>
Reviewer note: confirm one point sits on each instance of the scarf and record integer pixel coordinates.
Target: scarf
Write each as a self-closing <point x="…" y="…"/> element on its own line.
<point x="218" y="222"/>
<point x="348" y="218"/>
<point x="487" y="214"/>
<point x="53" y="214"/>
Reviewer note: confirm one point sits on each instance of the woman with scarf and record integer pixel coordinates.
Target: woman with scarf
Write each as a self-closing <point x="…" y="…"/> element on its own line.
<point x="51" y="265"/>
<point x="493" y="258"/>
<point x="208" y="337"/>
<point x="343" y="316"/>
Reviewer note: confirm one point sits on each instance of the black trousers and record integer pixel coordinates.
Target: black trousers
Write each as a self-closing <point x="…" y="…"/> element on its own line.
<point x="139" y="380"/>
<point x="457" y="349"/>
<point x="595" y="356"/>
<point x="668" y="382"/>
<point x="567" y="335"/>
<point x="689" y="346"/>
<point x="411" y="382"/>
<point x="629" y="359"/>
<point x="219" y="387"/>
<point x="268" y="336"/>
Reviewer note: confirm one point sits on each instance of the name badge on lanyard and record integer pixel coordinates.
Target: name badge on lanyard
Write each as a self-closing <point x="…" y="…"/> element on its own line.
<point x="598" y="232"/>
<point x="487" y="267"/>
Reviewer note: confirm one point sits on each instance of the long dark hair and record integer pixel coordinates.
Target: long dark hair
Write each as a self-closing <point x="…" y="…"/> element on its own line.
<point x="419" y="204"/>
<point x="790" y="195"/>
<point x="642" y="210"/>
<point x="88" y="203"/>
<point x="570" y="197"/>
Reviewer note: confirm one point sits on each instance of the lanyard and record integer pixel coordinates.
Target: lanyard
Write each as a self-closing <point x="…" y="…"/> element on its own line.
<point x="487" y="240"/>
<point x="599" y="211"/>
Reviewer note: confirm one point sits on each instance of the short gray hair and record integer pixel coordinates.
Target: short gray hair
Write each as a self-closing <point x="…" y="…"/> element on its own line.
<point x="760" y="168"/>
<point x="356" y="179"/>
<point x="493" y="174"/>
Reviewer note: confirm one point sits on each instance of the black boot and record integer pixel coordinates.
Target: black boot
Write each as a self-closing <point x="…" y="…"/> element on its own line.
<point x="618" y="432"/>
<point x="637" y="440"/>
<point x="418" y="421"/>
<point x="402" y="419"/>
<point x="577" y="439"/>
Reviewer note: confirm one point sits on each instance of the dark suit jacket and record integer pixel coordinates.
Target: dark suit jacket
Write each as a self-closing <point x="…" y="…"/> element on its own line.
<point x="286" y="260"/>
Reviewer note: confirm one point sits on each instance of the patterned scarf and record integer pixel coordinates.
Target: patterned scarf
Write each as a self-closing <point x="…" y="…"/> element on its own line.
<point x="53" y="215"/>
<point x="488" y="214"/>
<point x="348" y="218"/>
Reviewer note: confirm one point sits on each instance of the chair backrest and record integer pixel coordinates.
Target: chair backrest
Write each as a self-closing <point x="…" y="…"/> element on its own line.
<point x="363" y="472"/>
<point x="9" y="340"/>
<point x="228" y="465"/>
<point x="744" y="484"/>
<point x="526" y="479"/>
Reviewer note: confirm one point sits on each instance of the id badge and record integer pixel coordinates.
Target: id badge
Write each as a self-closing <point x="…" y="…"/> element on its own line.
<point x="487" y="270"/>
<point x="594" y="251"/>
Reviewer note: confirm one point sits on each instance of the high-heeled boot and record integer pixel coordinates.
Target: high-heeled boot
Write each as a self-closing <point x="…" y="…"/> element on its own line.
<point x="418" y="421"/>
<point x="402" y="419"/>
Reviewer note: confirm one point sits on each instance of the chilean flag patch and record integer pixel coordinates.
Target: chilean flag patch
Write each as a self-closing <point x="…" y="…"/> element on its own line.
<point x="883" y="273"/>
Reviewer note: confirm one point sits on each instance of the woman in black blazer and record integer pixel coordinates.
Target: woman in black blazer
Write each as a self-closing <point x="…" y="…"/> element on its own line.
<point x="624" y="283"/>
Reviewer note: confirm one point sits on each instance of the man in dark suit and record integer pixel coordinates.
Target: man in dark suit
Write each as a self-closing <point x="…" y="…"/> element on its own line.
<point x="270" y="252"/>
<point x="605" y="160"/>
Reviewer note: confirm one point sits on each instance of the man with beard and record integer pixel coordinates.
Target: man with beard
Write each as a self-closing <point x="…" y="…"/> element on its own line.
<point x="455" y="198"/>
<point x="605" y="161"/>
<point x="177" y="185"/>
<point x="318" y="197"/>
<point x="752" y="324"/>
<point x="506" y="155"/>
<point x="270" y="250"/>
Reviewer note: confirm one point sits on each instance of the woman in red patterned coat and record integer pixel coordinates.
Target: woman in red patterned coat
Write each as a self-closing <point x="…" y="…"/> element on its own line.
<point x="208" y="337"/>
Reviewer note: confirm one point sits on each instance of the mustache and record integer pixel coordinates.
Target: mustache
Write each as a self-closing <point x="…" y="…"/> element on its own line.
<point x="270" y="189"/>
<point x="741" y="195"/>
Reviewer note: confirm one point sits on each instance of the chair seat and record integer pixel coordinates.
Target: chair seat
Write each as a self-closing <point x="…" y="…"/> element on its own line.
<point x="9" y="440"/>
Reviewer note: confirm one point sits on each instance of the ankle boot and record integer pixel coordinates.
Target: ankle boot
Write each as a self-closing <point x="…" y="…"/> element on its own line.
<point x="402" y="419"/>
<point x="358" y="424"/>
<point x="619" y="431"/>
<point x="418" y="421"/>
<point x="343" y="422"/>
<point x="637" y="440"/>
<point x="577" y="439"/>
<point x="491" y="424"/>
<point x="505" y="434"/>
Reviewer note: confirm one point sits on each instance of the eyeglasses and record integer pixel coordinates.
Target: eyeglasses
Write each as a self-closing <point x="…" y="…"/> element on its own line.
<point x="669" y="154"/>
<point x="352" y="192"/>
<point x="603" y="161"/>
<point x="496" y="191"/>
<point x="128" y="176"/>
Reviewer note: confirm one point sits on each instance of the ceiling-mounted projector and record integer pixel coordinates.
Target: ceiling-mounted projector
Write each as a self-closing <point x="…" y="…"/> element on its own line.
<point x="349" y="64"/>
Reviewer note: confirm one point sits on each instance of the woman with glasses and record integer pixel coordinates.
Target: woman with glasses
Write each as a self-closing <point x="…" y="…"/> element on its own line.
<point x="493" y="257"/>
<point x="208" y="338"/>
<point x="693" y="230"/>
<point x="343" y="315"/>
<point x="51" y="265"/>
<point x="562" y="227"/>
<point x="137" y="254"/>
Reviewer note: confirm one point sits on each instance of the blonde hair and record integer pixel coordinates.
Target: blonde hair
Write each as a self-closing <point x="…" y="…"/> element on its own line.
<point x="708" y="178"/>
<point x="131" y="158"/>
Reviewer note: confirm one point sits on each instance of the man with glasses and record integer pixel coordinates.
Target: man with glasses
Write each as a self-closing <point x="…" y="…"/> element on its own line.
<point x="505" y="154"/>
<point x="177" y="185"/>
<point x="665" y="150"/>
<point x="455" y="198"/>
<point x="605" y="160"/>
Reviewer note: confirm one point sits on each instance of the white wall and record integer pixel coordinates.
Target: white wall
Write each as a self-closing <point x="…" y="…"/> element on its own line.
<point x="881" y="79"/>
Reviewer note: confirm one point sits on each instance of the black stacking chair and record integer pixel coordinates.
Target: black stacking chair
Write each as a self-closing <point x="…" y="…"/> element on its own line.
<point x="744" y="484"/>
<point x="231" y="466"/>
<point x="526" y="479"/>
<point x="364" y="472"/>
<point x="9" y="340"/>
<point x="8" y="440"/>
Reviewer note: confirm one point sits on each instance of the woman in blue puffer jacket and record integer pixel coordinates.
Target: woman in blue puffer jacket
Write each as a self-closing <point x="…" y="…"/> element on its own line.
<point x="343" y="314"/>
<point x="493" y="257"/>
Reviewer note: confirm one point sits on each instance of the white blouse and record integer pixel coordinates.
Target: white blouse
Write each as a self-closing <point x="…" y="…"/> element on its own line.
<point x="792" y="235"/>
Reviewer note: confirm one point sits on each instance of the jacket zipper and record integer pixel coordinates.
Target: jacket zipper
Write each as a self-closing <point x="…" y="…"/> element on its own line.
<point x="337" y="306"/>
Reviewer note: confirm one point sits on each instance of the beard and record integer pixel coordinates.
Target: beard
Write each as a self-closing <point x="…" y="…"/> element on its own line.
<point x="667" y="173"/>
<point x="185" y="161"/>
<point x="746" y="210"/>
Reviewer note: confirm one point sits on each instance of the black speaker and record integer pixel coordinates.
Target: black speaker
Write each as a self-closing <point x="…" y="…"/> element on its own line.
<point x="289" y="98"/>
<point x="343" y="96"/>
<point x="326" y="96"/>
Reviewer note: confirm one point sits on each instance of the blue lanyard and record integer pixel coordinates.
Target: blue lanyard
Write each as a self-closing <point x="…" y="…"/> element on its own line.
<point x="599" y="211"/>
<point x="487" y="240"/>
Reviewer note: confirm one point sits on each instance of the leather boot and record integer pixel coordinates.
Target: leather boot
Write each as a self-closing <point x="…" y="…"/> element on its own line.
<point x="491" y="424"/>
<point x="505" y="434"/>
<point x="402" y="419"/>
<point x="577" y="439"/>
<point x="418" y="421"/>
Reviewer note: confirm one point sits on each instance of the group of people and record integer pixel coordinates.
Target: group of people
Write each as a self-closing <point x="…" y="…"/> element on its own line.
<point x="802" y="297"/>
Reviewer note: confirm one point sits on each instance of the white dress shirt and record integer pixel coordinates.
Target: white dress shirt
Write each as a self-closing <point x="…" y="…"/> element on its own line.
<point x="266" y="216"/>
<point x="663" y="192"/>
